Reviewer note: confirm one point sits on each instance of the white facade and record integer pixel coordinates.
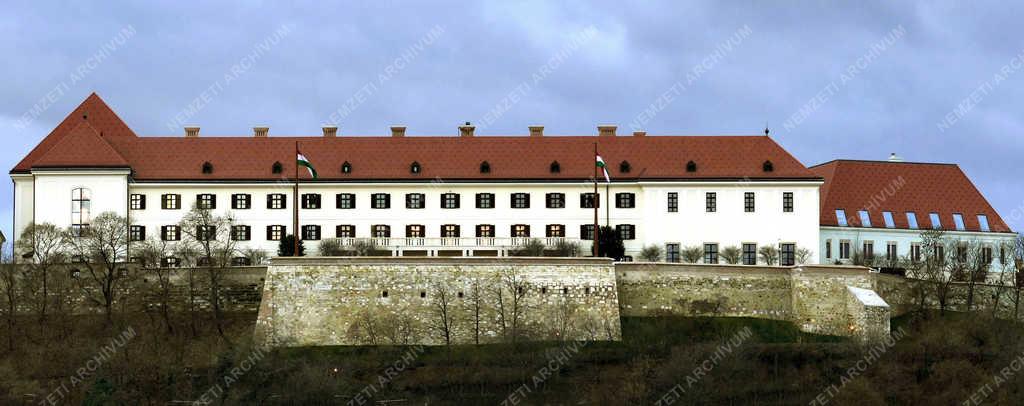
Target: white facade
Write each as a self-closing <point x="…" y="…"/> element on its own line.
<point x="46" y="197"/>
<point x="904" y="239"/>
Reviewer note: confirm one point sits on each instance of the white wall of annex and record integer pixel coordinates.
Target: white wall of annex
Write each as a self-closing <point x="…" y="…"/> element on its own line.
<point x="53" y="194"/>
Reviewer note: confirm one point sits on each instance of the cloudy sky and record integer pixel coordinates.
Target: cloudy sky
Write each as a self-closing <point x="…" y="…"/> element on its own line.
<point x="932" y="82"/>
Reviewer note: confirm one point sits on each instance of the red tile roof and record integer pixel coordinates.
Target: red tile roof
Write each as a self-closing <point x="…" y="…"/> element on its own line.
<point x="445" y="158"/>
<point x="81" y="147"/>
<point x="901" y="187"/>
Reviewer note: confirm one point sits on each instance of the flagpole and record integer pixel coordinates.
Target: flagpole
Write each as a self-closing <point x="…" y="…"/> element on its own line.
<point x="596" y="200"/>
<point x="295" y="203"/>
<point x="607" y="203"/>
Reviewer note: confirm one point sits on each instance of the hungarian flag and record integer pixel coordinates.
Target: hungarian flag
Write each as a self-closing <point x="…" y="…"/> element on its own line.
<point x="303" y="161"/>
<point x="600" y="164"/>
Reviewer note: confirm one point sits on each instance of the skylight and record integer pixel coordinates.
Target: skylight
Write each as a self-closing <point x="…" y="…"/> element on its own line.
<point x="958" y="219"/>
<point x="841" y="217"/>
<point x="983" y="222"/>
<point x="865" y="219"/>
<point x="889" y="223"/>
<point x="934" y="217"/>
<point x="912" y="219"/>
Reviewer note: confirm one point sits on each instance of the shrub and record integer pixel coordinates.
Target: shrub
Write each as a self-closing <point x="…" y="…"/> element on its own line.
<point x="692" y="254"/>
<point x="731" y="255"/>
<point x="565" y="248"/>
<point x="651" y="253"/>
<point x="330" y="248"/>
<point x="533" y="247"/>
<point x="769" y="255"/>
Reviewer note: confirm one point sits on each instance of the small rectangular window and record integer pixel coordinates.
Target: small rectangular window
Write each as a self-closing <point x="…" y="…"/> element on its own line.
<point x="915" y="252"/>
<point x="587" y="200"/>
<point x="450" y="201"/>
<point x="381" y="231"/>
<point x="277" y="201"/>
<point x="749" y="254"/>
<point x="748" y="202"/>
<point x="169" y="262"/>
<point x="415" y="231"/>
<point x="587" y="232"/>
<point x="891" y="252"/>
<point x="381" y="201"/>
<point x="485" y="200"/>
<point x="844" y="249"/>
<point x="828" y="249"/>
<point x="889" y="222"/>
<point x="138" y="202"/>
<point x="520" y="200"/>
<point x="626" y="231"/>
<point x="345" y="200"/>
<point x="869" y="249"/>
<point x="170" y="233"/>
<point x="275" y="232"/>
<point x="170" y="202"/>
<point x="912" y="220"/>
<point x="711" y="202"/>
<point x="958" y="221"/>
<point x="485" y="230"/>
<point x="137" y="233"/>
<point x="311" y="232"/>
<point x="865" y="218"/>
<point x="555" y="230"/>
<point x="206" y="201"/>
<point x="673" y="202"/>
<point x="787" y="255"/>
<point x="787" y="202"/>
<point x="241" y="201"/>
<point x="416" y="201"/>
<point x="672" y="252"/>
<point x="841" y="218"/>
<point x="206" y="233"/>
<point x="936" y="223"/>
<point x="310" y="200"/>
<point x="983" y="222"/>
<point x="345" y="231"/>
<point x="710" y="253"/>
<point x="450" y="231"/>
<point x="240" y="233"/>
<point x="520" y="230"/>
<point x="555" y="200"/>
<point x="625" y="200"/>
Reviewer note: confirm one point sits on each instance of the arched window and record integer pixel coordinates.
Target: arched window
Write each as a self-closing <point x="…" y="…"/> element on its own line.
<point x="415" y="167"/>
<point x="81" y="204"/>
<point x="485" y="167"/>
<point x="346" y="167"/>
<point x="555" y="167"/>
<point x="624" y="167"/>
<point x="767" y="166"/>
<point x="276" y="168"/>
<point x="691" y="166"/>
<point x="207" y="167"/>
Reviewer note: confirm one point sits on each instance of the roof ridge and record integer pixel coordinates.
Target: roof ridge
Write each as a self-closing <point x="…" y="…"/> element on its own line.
<point x="81" y="139"/>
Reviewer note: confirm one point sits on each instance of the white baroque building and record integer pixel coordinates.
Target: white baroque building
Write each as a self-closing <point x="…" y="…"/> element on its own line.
<point x="419" y="195"/>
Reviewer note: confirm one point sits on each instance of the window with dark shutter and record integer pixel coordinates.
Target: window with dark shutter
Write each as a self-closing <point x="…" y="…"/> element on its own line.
<point x="587" y="200"/>
<point x="207" y="201"/>
<point x="520" y="230"/>
<point x="450" y="201"/>
<point x="556" y="200"/>
<point x="415" y="200"/>
<point x="625" y="200"/>
<point x="277" y="201"/>
<point x="485" y="200"/>
<point x="520" y="200"/>
<point x="241" y="201"/>
<point x="381" y="201"/>
<point x="310" y="200"/>
<point x="345" y="201"/>
<point x="138" y="202"/>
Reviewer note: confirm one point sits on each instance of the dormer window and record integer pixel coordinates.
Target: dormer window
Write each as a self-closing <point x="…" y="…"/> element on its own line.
<point x="276" y="168"/>
<point x="691" y="166"/>
<point x="346" y="167"/>
<point x="624" y="167"/>
<point x="415" y="167"/>
<point x="555" y="167"/>
<point x="767" y="166"/>
<point x="485" y="167"/>
<point x="207" y="167"/>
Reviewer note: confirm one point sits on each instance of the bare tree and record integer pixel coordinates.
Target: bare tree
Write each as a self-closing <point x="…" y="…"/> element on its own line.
<point x="151" y="253"/>
<point x="511" y="290"/>
<point x="475" y="302"/>
<point x="769" y="255"/>
<point x="443" y="323"/>
<point x="802" y="256"/>
<point x="1016" y="263"/>
<point x="102" y="249"/>
<point x="9" y="286"/>
<point x="936" y="253"/>
<point x="43" y="249"/>
<point x="212" y="236"/>
<point x="731" y="255"/>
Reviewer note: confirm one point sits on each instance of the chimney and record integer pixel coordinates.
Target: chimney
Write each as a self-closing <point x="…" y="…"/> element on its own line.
<point x="895" y="158"/>
<point x="606" y="130"/>
<point x="466" y="130"/>
<point x="536" y="131"/>
<point x="330" y="131"/>
<point x="260" y="131"/>
<point x="639" y="133"/>
<point x="191" y="131"/>
<point x="397" y="131"/>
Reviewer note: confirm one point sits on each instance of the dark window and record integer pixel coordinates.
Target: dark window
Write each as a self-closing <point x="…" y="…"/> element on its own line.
<point x="710" y="253"/>
<point x="240" y="261"/>
<point x="587" y="232"/>
<point x="276" y="168"/>
<point x="626" y="231"/>
<point x="138" y="202"/>
<point x="345" y="200"/>
<point x="207" y="168"/>
<point x="450" y="201"/>
<point x="415" y="230"/>
<point x="749" y="254"/>
<point x="485" y="230"/>
<point x="555" y="230"/>
<point x="485" y="167"/>
<point x="275" y="233"/>
<point x="672" y="252"/>
<point x="844" y="250"/>
<point x="625" y="200"/>
<point x="310" y="200"/>
<point x="520" y="200"/>
<point x="346" y="167"/>
<point x="136" y="233"/>
<point x="711" y="202"/>
<point x="555" y="167"/>
<point x="587" y="200"/>
<point x="828" y="249"/>
<point x="555" y="200"/>
<point x="869" y="250"/>
<point x="277" y="201"/>
<point x="788" y="255"/>
<point x="170" y="233"/>
<point x="485" y="200"/>
<point x="345" y="231"/>
<point x="381" y="201"/>
<point x="241" y="201"/>
<point x="415" y="167"/>
<point x="206" y="201"/>
<point x="787" y="202"/>
<point x="311" y="232"/>
<point x="891" y="252"/>
<point x="381" y="231"/>
<point x="673" y="202"/>
<point x="450" y="231"/>
<point x="767" y="166"/>
<point x="415" y="200"/>
<point x="748" y="202"/>
<point x="915" y="252"/>
<point x="986" y="255"/>
<point x="691" y="166"/>
<point x="170" y="202"/>
<point x="169" y="262"/>
<point x="520" y="230"/>
<point x="624" y="167"/>
<point x="206" y="233"/>
<point x="241" y="233"/>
